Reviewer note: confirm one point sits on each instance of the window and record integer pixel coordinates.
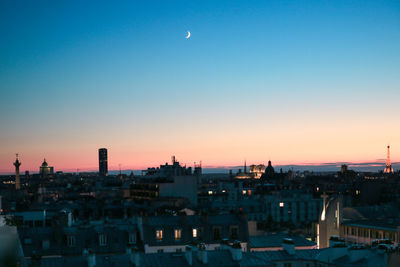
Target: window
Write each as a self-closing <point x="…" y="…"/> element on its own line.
<point x="287" y="265"/>
<point x="178" y="250"/>
<point x="217" y="233"/>
<point x="71" y="241"/>
<point x="195" y="233"/>
<point x="102" y="239"/>
<point x="177" y="234"/>
<point x="234" y="232"/>
<point x="281" y="204"/>
<point x="160" y="250"/>
<point x="45" y="244"/>
<point x="131" y="238"/>
<point x="159" y="235"/>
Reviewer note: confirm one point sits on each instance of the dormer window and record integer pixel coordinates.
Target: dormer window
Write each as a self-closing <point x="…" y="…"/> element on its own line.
<point x="195" y="233"/>
<point x="178" y="234"/>
<point x="234" y="232"/>
<point x="102" y="240"/>
<point x="159" y="235"/>
<point x="217" y="233"/>
<point x="71" y="241"/>
<point x="131" y="238"/>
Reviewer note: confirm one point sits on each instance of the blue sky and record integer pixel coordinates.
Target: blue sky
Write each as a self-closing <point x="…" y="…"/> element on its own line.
<point x="122" y="75"/>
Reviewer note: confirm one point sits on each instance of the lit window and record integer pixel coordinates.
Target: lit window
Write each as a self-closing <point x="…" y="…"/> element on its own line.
<point x="317" y="188"/>
<point x="249" y="192"/>
<point x="159" y="235"/>
<point x="244" y="192"/>
<point x="178" y="234"/>
<point x="281" y="204"/>
<point x="195" y="233"/>
<point x="223" y="191"/>
<point x="210" y="192"/>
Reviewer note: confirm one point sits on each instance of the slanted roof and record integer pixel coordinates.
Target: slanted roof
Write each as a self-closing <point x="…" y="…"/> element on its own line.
<point x="275" y="240"/>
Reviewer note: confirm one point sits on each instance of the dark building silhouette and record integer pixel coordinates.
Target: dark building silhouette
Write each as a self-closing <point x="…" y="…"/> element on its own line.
<point x="388" y="168"/>
<point x="17" y="163"/>
<point x="269" y="170"/>
<point x="103" y="161"/>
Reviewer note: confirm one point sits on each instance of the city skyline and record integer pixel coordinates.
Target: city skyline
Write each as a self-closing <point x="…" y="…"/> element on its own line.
<point x="291" y="82"/>
<point x="368" y="166"/>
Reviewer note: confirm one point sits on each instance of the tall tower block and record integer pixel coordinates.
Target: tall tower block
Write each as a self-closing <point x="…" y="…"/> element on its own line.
<point x="103" y="162"/>
<point x="388" y="168"/>
<point x="17" y="163"/>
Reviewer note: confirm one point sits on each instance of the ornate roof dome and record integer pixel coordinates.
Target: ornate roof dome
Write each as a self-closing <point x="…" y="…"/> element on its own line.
<point x="44" y="164"/>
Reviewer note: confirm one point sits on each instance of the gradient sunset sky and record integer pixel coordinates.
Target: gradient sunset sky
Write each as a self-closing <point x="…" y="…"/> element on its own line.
<point x="289" y="81"/>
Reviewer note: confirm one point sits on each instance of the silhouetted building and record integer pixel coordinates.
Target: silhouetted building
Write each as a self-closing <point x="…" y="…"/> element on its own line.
<point x="168" y="170"/>
<point x="270" y="170"/>
<point x="45" y="169"/>
<point x="343" y="168"/>
<point x="17" y="163"/>
<point x="388" y="168"/>
<point x="103" y="162"/>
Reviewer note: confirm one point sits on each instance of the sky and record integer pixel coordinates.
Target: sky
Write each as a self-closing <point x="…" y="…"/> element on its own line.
<point x="294" y="82"/>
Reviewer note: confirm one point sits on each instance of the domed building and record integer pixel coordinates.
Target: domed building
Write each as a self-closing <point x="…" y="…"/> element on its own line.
<point x="45" y="169"/>
<point x="269" y="171"/>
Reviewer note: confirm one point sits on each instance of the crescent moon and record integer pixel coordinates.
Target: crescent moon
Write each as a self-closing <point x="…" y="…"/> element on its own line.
<point x="188" y="35"/>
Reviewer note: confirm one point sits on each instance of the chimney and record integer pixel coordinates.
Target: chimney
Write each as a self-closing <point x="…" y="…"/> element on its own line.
<point x="236" y="251"/>
<point x="189" y="255"/>
<point x="91" y="259"/>
<point x="202" y="254"/>
<point x="288" y="246"/>
<point x="134" y="256"/>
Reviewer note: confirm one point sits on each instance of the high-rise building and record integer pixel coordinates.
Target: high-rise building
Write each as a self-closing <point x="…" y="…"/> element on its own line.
<point x="388" y="168"/>
<point x="103" y="162"/>
<point x="17" y="163"/>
